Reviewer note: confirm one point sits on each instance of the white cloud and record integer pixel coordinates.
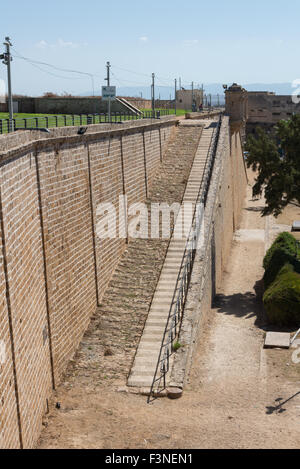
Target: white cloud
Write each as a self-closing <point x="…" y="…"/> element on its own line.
<point x="144" y="39"/>
<point x="191" y="42"/>
<point x="59" y="43"/>
<point x="41" y="44"/>
<point x="62" y="43"/>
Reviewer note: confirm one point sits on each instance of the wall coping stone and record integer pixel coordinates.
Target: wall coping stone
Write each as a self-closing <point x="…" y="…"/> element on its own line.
<point x="32" y="143"/>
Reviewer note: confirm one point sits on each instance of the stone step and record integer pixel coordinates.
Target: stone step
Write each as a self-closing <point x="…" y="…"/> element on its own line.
<point x="152" y="337"/>
<point x="148" y="347"/>
<point x="172" y="263"/>
<point x="143" y="371"/>
<point x="157" y="314"/>
<point x="170" y="276"/>
<point x="140" y="381"/>
<point x="150" y="329"/>
<point x="161" y="302"/>
<point x="172" y="257"/>
<point x="150" y="363"/>
<point x="151" y="353"/>
<point x="156" y="322"/>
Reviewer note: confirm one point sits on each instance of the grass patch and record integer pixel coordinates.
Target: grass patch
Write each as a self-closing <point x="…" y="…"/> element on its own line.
<point x="176" y="346"/>
<point x="40" y="121"/>
<point x="179" y="112"/>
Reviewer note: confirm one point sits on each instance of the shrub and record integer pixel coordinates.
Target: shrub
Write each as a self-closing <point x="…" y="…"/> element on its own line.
<point x="282" y="298"/>
<point x="284" y="250"/>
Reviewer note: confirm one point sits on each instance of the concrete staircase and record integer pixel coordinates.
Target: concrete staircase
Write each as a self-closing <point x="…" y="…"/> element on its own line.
<point x="128" y="107"/>
<point x="109" y="346"/>
<point x="147" y="355"/>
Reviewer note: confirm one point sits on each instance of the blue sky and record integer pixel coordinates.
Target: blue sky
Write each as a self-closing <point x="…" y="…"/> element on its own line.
<point x="216" y="41"/>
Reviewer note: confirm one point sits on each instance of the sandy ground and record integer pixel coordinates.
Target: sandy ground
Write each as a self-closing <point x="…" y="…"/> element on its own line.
<point x="233" y="392"/>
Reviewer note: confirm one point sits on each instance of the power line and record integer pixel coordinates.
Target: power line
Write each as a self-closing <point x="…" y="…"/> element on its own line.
<point x="54" y="66"/>
<point x="131" y="71"/>
<point x="122" y="80"/>
<point x="49" y="73"/>
<point x="148" y="75"/>
<point x="35" y="62"/>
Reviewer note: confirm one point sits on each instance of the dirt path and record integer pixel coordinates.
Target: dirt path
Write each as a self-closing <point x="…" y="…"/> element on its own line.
<point x="231" y="396"/>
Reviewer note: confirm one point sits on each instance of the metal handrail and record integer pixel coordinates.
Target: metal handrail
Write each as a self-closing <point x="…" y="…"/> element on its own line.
<point x="174" y="321"/>
<point x="64" y="120"/>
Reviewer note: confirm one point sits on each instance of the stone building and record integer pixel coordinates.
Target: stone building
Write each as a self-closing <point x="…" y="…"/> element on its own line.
<point x="266" y="109"/>
<point x="236" y="106"/>
<point x="186" y="98"/>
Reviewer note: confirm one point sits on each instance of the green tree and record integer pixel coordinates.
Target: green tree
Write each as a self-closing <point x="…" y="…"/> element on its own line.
<point x="276" y="158"/>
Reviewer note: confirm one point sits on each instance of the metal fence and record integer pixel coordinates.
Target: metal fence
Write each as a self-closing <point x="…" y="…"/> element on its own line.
<point x="50" y="121"/>
<point x="171" y="333"/>
<point x="214" y="100"/>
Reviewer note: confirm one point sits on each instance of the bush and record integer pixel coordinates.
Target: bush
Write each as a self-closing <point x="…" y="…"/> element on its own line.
<point x="284" y="250"/>
<point x="282" y="298"/>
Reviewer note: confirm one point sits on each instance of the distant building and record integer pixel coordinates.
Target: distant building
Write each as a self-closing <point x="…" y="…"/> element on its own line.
<point x="266" y="109"/>
<point x="187" y="99"/>
<point x="258" y="108"/>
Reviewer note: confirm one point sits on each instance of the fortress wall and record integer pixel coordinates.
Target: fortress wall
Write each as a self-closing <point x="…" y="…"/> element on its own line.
<point x="26" y="283"/>
<point x="134" y="162"/>
<point x="106" y="186"/>
<point x="153" y="153"/>
<point x="9" y="430"/>
<point x="52" y="265"/>
<point x="67" y="226"/>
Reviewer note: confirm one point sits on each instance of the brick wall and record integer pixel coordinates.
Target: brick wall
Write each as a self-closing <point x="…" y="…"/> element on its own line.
<point x="53" y="268"/>
<point x="27" y="300"/>
<point x="65" y="105"/>
<point x="9" y="431"/>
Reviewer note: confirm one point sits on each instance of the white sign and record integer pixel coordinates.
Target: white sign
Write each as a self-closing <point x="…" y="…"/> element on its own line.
<point x="108" y="92"/>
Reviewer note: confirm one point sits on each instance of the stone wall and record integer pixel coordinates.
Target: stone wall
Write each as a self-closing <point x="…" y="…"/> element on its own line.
<point x="64" y="105"/>
<point x="140" y="103"/>
<point x="53" y="268"/>
<point x="222" y="218"/>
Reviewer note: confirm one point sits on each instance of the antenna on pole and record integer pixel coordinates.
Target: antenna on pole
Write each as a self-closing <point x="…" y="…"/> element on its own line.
<point x="108" y="84"/>
<point x="153" y="94"/>
<point x="175" y="96"/>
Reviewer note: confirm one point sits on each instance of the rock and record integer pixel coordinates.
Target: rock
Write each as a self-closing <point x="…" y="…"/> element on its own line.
<point x="174" y="393"/>
<point x="123" y="389"/>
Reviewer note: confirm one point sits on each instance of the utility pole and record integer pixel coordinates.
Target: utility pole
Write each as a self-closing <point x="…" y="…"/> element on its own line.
<point x="6" y="57"/>
<point x="175" y="96"/>
<point x="153" y="94"/>
<point x="192" y="96"/>
<point x="108" y="84"/>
